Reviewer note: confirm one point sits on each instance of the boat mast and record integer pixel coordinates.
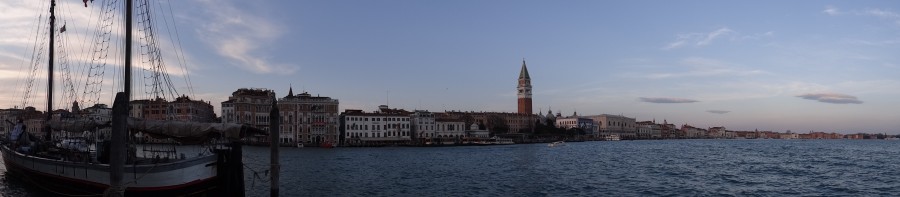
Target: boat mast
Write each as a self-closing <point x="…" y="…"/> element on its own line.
<point x="120" y="122"/>
<point x="50" y="70"/>
<point x="127" y="78"/>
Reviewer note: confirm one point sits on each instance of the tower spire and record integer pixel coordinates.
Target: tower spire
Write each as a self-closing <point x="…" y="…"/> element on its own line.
<point x="291" y="90"/>
<point x="524" y="90"/>
<point x="523" y="74"/>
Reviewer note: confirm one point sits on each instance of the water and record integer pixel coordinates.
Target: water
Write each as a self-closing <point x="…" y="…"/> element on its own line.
<point x="630" y="168"/>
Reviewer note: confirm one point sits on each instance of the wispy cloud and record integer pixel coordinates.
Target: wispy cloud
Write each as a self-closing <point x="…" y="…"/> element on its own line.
<point x="758" y="36"/>
<point x="875" y="43"/>
<point x="666" y="100"/>
<point x="834" y="98"/>
<point x="885" y="14"/>
<point x="876" y="12"/>
<point x="718" y="111"/>
<point x="831" y="10"/>
<point x="703" y="67"/>
<point x="240" y="36"/>
<point x="698" y="39"/>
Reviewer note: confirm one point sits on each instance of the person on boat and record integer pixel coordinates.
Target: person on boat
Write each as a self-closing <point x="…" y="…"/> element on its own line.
<point x="18" y="129"/>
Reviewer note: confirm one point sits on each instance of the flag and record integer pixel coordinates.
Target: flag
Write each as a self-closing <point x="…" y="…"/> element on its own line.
<point x="62" y="29"/>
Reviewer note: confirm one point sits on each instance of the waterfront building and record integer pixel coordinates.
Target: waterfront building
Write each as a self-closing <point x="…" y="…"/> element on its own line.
<point x="716" y="132"/>
<point x="182" y="108"/>
<point x="576" y="122"/>
<point x="307" y="119"/>
<point x="548" y="119"/>
<point x="449" y="129"/>
<point x="692" y="132"/>
<point x="524" y="91"/>
<point x="475" y="132"/>
<point x="98" y="112"/>
<point x="607" y="125"/>
<point x="423" y="125"/>
<point x="669" y="131"/>
<point x="495" y="122"/>
<point x="820" y="135"/>
<point x="249" y="106"/>
<point x="789" y="135"/>
<point x="648" y="130"/>
<point x="186" y="109"/>
<point x="385" y="126"/>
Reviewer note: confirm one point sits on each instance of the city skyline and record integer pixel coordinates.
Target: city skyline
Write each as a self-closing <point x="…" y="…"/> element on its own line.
<point x="800" y="66"/>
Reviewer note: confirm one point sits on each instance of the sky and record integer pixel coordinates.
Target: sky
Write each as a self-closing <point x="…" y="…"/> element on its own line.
<point x="803" y="66"/>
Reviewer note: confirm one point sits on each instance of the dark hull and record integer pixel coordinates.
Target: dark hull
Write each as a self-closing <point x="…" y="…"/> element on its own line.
<point x="54" y="185"/>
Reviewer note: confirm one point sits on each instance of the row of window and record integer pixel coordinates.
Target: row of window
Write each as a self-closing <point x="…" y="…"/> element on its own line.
<point x="376" y="119"/>
<point x="386" y="134"/>
<point x="377" y="127"/>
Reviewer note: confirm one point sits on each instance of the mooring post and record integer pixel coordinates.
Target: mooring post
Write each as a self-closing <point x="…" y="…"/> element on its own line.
<point x="117" y="146"/>
<point x="274" y="141"/>
<point x="237" y="169"/>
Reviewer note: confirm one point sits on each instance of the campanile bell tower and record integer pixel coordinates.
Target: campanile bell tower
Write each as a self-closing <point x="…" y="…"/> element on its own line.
<point x="524" y="89"/>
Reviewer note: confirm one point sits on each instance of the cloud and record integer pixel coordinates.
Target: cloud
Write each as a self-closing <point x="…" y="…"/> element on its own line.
<point x="834" y="98"/>
<point x="703" y="67"/>
<point x="667" y="100"/>
<point x="831" y="10"/>
<point x="885" y="14"/>
<point x="713" y="35"/>
<point x="698" y="39"/>
<point x="881" y="13"/>
<point x="718" y="111"/>
<point x="242" y="37"/>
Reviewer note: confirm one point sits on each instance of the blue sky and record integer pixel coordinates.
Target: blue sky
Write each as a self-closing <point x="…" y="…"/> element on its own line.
<point x="769" y="65"/>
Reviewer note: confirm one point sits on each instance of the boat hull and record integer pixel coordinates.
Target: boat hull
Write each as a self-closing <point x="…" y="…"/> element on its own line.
<point x="191" y="177"/>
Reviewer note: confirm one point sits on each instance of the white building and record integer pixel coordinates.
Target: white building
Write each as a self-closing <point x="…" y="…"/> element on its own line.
<point x="645" y="131"/>
<point x="385" y="126"/>
<point x="586" y="124"/>
<point x="423" y="124"/>
<point x="450" y="128"/>
<point x="475" y="132"/>
<point x="607" y="125"/>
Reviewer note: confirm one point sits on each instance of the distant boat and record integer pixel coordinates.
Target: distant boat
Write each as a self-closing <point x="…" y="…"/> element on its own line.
<point x="556" y="143"/>
<point x="892" y="138"/>
<point x="500" y="141"/>
<point x="612" y="137"/>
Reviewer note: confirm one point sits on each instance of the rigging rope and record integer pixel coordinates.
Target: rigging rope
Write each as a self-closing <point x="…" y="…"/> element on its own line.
<point x="179" y="51"/>
<point x="36" y="58"/>
<point x="100" y="52"/>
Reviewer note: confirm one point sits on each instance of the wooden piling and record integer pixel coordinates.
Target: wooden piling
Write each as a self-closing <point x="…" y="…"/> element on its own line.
<point x="117" y="146"/>
<point x="274" y="139"/>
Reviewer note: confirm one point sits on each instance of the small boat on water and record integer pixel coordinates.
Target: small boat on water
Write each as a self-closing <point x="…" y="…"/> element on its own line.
<point x="612" y="137"/>
<point x="500" y="141"/>
<point x="556" y="143"/>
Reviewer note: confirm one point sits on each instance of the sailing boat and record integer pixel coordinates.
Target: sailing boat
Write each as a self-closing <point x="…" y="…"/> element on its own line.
<point x="114" y="168"/>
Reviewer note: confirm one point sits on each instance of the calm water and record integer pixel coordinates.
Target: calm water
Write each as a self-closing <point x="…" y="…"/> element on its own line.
<point x="631" y="168"/>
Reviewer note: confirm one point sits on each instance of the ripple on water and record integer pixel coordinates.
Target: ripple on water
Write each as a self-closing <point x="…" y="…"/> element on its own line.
<point x="625" y="168"/>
